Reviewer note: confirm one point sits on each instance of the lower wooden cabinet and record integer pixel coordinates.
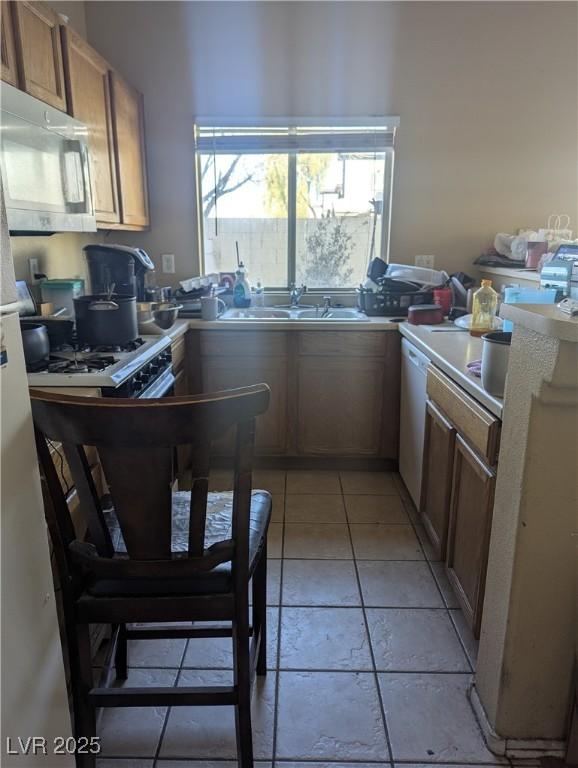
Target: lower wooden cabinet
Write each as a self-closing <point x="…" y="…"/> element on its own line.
<point x="333" y="393"/>
<point x="470" y="524"/>
<point x="340" y="406"/>
<point x="232" y="372"/>
<point x="436" y="484"/>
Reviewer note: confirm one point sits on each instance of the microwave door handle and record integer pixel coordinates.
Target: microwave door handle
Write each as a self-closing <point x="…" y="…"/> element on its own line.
<point x="81" y="196"/>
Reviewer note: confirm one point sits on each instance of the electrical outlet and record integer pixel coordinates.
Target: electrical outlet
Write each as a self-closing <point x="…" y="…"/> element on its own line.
<point x="427" y="261"/>
<point x="168" y="263"/>
<point x="34" y="269"/>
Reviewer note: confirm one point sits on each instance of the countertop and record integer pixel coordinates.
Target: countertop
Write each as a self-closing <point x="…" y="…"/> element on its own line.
<point x="451" y="351"/>
<point x="520" y="274"/>
<point x="371" y="324"/>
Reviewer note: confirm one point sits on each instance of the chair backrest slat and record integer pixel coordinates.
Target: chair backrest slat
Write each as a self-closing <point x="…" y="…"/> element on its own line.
<point x="135" y="440"/>
<point x="200" y="465"/>
<point x="87" y="493"/>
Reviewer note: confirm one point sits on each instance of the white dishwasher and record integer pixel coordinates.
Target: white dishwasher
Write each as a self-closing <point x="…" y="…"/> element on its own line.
<point x="412" y="416"/>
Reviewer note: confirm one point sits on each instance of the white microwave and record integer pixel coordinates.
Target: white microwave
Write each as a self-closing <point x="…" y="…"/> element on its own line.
<point x="44" y="164"/>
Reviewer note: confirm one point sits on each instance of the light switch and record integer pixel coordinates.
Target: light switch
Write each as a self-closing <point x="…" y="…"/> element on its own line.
<point x="168" y="263"/>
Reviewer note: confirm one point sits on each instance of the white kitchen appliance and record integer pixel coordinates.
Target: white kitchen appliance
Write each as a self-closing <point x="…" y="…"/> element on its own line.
<point x="44" y="162"/>
<point x="34" y="697"/>
<point x="412" y="417"/>
<point x="142" y="369"/>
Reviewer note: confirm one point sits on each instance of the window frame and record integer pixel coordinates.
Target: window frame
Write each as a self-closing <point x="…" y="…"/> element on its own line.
<point x="365" y="122"/>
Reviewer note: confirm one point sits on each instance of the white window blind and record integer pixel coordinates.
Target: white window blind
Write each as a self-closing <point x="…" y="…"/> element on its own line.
<point x="231" y="139"/>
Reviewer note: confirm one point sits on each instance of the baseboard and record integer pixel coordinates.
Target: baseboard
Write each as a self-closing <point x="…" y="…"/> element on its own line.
<point x="520" y="749"/>
<point x="314" y="462"/>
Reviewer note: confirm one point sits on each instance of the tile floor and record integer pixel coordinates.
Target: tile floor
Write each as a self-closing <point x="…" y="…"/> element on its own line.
<point x="369" y="658"/>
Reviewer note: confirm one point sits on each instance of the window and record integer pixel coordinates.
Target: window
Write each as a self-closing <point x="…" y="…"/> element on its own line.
<point x="304" y="204"/>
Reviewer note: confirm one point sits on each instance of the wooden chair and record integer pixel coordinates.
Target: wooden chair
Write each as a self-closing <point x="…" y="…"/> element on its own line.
<point x="158" y="556"/>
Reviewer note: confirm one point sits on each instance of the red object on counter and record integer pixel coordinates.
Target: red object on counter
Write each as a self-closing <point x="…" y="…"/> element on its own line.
<point x="443" y="297"/>
<point x="425" y="314"/>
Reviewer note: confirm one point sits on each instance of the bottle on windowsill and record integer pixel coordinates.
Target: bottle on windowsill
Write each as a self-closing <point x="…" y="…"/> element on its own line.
<point x="241" y="289"/>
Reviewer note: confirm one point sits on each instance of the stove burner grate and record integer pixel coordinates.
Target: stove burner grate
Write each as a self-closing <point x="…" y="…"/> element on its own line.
<point x="82" y="365"/>
<point x="130" y="346"/>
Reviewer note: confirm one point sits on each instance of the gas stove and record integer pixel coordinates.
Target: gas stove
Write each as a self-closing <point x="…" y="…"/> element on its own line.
<point x="143" y="369"/>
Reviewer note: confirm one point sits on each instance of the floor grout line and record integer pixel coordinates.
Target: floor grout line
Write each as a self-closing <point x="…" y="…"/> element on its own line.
<point x="375" y="678"/>
<point x="278" y="649"/>
<point x="168" y="712"/>
<point x="405" y="503"/>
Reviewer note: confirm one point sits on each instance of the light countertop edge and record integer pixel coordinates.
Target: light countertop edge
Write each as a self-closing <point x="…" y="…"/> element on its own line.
<point x="371" y="324"/>
<point x="545" y="319"/>
<point x="450" y="352"/>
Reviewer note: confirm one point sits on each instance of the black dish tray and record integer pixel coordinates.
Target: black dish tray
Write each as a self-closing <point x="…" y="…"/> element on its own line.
<point x="389" y="303"/>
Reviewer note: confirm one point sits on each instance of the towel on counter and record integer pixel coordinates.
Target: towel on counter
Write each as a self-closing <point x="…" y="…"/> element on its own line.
<point x="475" y="368"/>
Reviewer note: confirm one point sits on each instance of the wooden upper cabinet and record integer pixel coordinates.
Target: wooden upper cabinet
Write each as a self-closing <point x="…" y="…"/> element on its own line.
<point x="39" y="52"/>
<point x="128" y="129"/>
<point x="88" y="96"/>
<point x="8" y="46"/>
<point x="436" y="484"/>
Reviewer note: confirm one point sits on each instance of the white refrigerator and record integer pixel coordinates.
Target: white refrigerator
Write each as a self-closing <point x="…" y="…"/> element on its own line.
<point x="34" y="700"/>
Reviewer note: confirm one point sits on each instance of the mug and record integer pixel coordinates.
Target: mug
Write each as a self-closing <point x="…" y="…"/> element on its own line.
<point x="210" y="307"/>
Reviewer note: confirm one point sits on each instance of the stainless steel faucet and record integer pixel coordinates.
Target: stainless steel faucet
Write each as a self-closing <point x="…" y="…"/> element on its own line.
<point x="326" y="306"/>
<point x="296" y="293"/>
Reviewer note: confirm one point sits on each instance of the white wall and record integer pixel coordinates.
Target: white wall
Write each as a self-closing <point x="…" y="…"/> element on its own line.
<point x="486" y="93"/>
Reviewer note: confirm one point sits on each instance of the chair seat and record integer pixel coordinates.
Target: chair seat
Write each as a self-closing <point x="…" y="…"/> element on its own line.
<point x="217" y="528"/>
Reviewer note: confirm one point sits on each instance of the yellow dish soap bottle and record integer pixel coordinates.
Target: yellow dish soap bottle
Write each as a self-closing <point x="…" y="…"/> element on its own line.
<point x="484" y="308"/>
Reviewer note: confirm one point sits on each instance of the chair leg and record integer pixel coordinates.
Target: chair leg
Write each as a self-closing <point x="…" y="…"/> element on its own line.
<point x="242" y="677"/>
<point x="81" y="683"/>
<point x="121" y="655"/>
<point x="260" y="611"/>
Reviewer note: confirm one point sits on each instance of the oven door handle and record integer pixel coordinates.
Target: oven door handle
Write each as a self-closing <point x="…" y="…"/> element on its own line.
<point x="160" y="387"/>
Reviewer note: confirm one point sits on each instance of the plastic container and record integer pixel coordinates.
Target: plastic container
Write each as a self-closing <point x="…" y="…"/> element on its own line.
<point x="443" y="297"/>
<point x="61" y="293"/>
<point x="241" y="289"/>
<point x="516" y="295"/>
<point x="495" y="358"/>
<point x="425" y="314"/>
<point x="484" y="309"/>
<point x="258" y="295"/>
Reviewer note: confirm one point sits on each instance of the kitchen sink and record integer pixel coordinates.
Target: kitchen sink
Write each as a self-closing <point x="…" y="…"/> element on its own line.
<point x="335" y="313"/>
<point x="306" y="315"/>
<point x="256" y="313"/>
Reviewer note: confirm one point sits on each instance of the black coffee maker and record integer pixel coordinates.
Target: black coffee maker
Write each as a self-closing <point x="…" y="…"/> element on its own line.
<point x="121" y="265"/>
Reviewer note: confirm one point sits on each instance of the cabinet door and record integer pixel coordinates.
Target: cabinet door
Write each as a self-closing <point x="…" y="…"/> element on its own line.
<point x="128" y="128"/>
<point x="88" y="97"/>
<point x="233" y="372"/>
<point x="436" y="483"/>
<point x="38" y="48"/>
<point x="8" y="48"/>
<point x="469" y="530"/>
<point x="340" y="406"/>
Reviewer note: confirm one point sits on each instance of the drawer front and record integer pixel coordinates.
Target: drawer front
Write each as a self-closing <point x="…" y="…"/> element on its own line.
<point x="178" y="353"/>
<point x="239" y="343"/>
<point x="473" y="421"/>
<point x="343" y="343"/>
